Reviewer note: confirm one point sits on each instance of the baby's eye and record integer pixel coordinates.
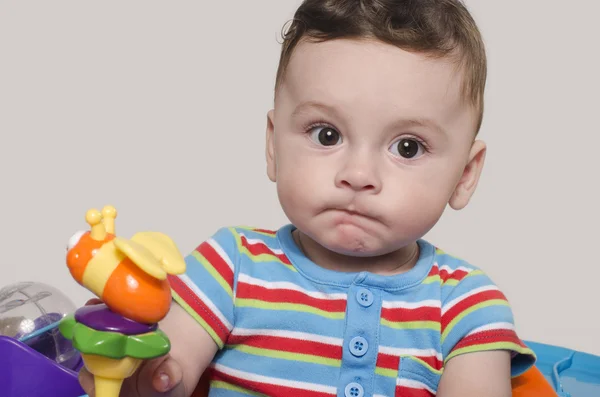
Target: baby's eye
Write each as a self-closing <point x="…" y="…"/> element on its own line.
<point x="74" y="240"/>
<point x="408" y="148"/>
<point x="325" y="136"/>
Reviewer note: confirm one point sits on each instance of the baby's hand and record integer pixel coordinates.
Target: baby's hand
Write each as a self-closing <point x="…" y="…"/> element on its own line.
<point x="154" y="377"/>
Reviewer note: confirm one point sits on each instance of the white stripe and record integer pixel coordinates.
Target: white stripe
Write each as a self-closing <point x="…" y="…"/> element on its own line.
<point x="399" y="351"/>
<point x="455" y="301"/>
<point x="413" y="384"/>
<point x="213" y="308"/>
<point x="275" y="381"/>
<point x="213" y="243"/>
<point x="451" y="270"/>
<point x="411" y="305"/>
<point x="493" y="326"/>
<point x="289" y="334"/>
<point x="289" y="286"/>
<point x="256" y="241"/>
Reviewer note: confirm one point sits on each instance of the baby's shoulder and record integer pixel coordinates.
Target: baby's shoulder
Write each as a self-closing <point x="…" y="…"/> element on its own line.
<point x="234" y="242"/>
<point x="242" y="235"/>
<point x="459" y="278"/>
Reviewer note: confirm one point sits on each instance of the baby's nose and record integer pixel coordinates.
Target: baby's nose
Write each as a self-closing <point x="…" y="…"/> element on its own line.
<point x="359" y="178"/>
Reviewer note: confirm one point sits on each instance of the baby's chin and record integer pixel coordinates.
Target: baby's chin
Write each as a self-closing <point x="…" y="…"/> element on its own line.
<point x="354" y="245"/>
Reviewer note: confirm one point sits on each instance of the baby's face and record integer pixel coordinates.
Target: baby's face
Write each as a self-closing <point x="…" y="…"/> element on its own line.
<point x="367" y="143"/>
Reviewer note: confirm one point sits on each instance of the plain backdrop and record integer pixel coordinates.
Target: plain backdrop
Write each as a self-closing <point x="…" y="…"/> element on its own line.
<point x="159" y="108"/>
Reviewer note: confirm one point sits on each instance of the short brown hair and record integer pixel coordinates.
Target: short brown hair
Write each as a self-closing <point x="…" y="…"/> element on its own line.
<point x="438" y="28"/>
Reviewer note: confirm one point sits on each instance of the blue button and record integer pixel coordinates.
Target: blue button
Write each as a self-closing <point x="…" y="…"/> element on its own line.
<point x="364" y="297"/>
<point x="354" y="390"/>
<point x="359" y="346"/>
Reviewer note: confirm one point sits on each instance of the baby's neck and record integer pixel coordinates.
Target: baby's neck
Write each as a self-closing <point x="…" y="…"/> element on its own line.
<point x="396" y="262"/>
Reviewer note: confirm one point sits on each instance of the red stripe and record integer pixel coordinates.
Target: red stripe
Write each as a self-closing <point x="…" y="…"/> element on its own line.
<point x="198" y="306"/>
<point x="402" y="391"/>
<point x="457" y="275"/>
<point x="388" y="361"/>
<point x="261" y="248"/>
<point x="265" y="388"/>
<point x="469" y="302"/>
<point x="491" y="336"/>
<point x="265" y="231"/>
<point x="288" y="344"/>
<point x="250" y="291"/>
<point x="432" y="361"/>
<point x="216" y="261"/>
<point x="418" y="314"/>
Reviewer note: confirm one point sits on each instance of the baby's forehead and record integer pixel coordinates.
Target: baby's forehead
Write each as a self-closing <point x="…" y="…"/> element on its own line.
<point x="373" y="76"/>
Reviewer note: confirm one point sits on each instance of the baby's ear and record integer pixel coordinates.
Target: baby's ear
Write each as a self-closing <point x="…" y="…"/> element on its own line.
<point x="270" y="146"/>
<point x="468" y="182"/>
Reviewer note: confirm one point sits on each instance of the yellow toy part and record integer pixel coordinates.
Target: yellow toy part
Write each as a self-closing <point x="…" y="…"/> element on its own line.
<point x="153" y="252"/>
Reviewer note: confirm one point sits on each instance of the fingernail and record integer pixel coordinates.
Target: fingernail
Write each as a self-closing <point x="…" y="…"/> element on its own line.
<point x="163" y="381"/>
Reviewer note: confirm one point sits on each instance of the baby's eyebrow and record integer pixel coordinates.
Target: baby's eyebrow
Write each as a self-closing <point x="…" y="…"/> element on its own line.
<point x="308" y="105"/>
<point x="422" y="122"/>
<point x="401" y="123"/>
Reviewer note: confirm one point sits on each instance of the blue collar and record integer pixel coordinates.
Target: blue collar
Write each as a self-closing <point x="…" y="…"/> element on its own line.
<point x="321" y="275"/>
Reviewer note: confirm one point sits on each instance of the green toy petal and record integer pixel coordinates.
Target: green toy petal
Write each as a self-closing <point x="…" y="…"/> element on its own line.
<point x="112" y="344"/>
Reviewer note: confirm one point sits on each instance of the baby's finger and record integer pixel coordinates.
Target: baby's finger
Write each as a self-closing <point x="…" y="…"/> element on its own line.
<point x="86" y="380"/>
<point x="93" y="301"/>
<point x="167" y="376"/>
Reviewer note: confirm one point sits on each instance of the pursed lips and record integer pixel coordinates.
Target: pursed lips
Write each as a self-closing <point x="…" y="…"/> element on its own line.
<point x="354" y="213"/>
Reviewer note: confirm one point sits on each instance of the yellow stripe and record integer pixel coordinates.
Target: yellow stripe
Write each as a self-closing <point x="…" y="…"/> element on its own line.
<point x="490" y="346"/>
<point x="432" y="279"/>
<point x="390" y="373"/>
<point x="466" y="312"/>
<point x="218" y="384"/>
<point x="213" y="272"/>
<point x="434" y="325"/>
<point x="100" y="268"/>
<point x="298" y="307"/>
<point x="307" y="358"/>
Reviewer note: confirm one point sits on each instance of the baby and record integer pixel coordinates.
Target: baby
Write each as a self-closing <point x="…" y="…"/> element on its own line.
<point x="373" y="133"/>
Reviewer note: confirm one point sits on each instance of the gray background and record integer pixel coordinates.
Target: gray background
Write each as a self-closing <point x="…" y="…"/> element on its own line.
<point x="159" y="108"/>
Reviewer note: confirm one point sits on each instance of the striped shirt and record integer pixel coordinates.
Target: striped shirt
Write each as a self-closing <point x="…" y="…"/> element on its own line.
<point x="288" y="327"/>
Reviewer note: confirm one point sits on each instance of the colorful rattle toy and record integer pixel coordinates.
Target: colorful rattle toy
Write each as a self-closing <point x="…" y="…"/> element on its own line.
<point x="130" y="277"/>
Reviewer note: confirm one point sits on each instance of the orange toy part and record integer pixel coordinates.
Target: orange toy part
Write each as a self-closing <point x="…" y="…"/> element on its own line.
<point x="532" y="383"/>
<point x="136" y="295"/>
<point x="79" y="256"/>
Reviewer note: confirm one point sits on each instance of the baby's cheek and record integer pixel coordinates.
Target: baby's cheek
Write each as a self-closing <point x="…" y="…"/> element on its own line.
<point x="289" y="195"/>
<point x="420" y="212"/>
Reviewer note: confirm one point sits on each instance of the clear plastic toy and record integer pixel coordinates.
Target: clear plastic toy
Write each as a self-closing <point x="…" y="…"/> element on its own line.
<point x="30" y="313"/>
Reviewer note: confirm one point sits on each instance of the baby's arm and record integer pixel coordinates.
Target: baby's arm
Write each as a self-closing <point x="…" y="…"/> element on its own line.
<point x="192" y="350"/>
<point x="481" y="348"/>
<point x="477" y="374"/>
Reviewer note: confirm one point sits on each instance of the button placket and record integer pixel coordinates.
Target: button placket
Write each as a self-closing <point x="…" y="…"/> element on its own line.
<point x="360" y="342"/>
